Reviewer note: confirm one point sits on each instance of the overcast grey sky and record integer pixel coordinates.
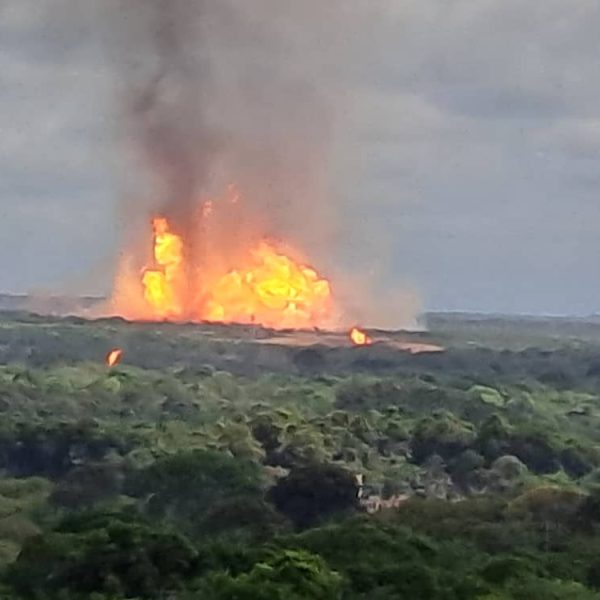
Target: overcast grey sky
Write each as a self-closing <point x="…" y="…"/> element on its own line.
<point x="472" y="146"/>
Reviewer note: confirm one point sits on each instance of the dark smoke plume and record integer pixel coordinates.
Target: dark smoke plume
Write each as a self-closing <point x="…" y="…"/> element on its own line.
<point x="220" y="91"/>
<point x="216" y="92"/>
<point x="166" y="95"/>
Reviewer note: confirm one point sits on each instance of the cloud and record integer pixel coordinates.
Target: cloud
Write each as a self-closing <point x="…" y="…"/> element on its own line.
<point x="467" y="141"/>
<point x="509" y="59"/>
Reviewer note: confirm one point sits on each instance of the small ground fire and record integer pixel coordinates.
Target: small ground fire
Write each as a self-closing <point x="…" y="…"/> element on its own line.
<point x="360" y="338"/>
<point x="114" y="357"/>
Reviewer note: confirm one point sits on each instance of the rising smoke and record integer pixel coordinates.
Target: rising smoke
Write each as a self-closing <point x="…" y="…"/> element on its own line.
<point x="218" y="92"/>
<point x="221" y="92"/>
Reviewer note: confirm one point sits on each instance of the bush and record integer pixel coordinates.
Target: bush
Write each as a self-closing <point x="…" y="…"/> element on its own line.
<point x="443" y="434"/>
<point x="104" y="553"/>
<point x="309" y="494"/>
<point x="184" y="486"/>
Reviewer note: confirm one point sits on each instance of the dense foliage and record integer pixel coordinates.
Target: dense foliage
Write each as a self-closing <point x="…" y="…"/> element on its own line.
<point x="350" y="474"/>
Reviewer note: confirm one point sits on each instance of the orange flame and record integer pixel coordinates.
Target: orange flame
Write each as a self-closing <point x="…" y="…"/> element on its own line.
<point x="273" y="290"/>
<point x="114" y="357"/>
<point x="360" y="338"/>
<point x="269" y="287"/>
<point x="161" y="282"/>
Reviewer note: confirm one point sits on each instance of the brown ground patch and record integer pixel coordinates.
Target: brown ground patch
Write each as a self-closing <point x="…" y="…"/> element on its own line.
<point x="341" y="339"/>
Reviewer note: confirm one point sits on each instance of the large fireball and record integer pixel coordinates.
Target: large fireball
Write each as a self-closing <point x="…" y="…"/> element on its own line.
<point x="265" y="286"/>
<point x="272" y="290"/>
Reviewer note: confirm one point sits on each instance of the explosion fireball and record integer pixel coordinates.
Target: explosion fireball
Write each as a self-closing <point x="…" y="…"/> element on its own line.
<point x="265" y="285"/>
<point x="201" y="106"/>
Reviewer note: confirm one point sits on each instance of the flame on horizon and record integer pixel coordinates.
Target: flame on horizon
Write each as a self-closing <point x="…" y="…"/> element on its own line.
<point x="207" y="98"/>
<point x="162" y="280"/>
<point x="360" y="338"/>
<point x="265" y="285"/>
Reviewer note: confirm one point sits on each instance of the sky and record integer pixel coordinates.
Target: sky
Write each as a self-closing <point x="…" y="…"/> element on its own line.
<point x="469" y="151"/>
